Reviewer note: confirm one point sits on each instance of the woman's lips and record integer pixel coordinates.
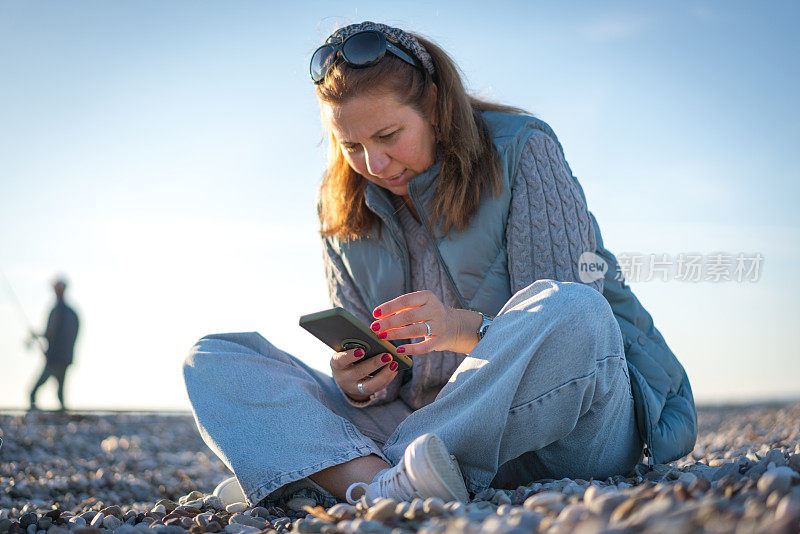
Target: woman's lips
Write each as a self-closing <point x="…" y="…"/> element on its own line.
<point x="397" y="179"/>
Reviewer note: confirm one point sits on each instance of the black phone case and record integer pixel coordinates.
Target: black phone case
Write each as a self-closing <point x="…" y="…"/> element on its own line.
<point x="341" y="330"/>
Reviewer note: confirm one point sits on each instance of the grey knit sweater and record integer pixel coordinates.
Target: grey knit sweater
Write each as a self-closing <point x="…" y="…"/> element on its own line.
<point x="548" y="228"/>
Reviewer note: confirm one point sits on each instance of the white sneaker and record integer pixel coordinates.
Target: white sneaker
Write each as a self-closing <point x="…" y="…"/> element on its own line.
<point x="426" y="470"/>
<point x="229" y="491"/>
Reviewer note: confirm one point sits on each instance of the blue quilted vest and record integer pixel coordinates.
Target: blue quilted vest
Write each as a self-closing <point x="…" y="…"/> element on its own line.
<point x="476" y="263"/>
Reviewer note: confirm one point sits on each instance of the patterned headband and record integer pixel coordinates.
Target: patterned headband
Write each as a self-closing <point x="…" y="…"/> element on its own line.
<point x="395" y="35"/>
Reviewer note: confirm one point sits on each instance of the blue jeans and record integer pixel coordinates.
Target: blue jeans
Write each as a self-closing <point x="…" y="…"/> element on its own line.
<point x="545" y="394"/>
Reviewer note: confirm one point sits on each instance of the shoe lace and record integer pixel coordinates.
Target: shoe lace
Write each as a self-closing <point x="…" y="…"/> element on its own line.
<point x="349" y="493"/>
<point x="388" y="483"/>
<point x="395" y="483"/>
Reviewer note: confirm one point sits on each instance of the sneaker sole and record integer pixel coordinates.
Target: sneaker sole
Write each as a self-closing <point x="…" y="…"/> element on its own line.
<point x="432" y="470"/>
<point x="229" y="491"/>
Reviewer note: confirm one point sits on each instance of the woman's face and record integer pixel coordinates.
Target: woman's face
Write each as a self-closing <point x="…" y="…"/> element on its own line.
<point x="384" y="141"/>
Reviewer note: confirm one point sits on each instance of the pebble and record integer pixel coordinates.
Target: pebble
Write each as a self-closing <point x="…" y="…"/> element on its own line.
<point x="97" y="520"/>
<point x="605" y="503"/>
<point x="238" y="528"/>
<point x="777" y="480"/>
<point x="755" y="472"/>
<point x="250" y="521"/>
<point x="504" y="509"/>
<point x="725" y="470"/>
<point x="111" y="522"/>
<point x="114" y="510"/>
<point x="501" y="497"/>
<point x="281" y="522"/>
<point x="789" y="507"/>
<point x="381" y="511"/>
<point x="433" y="506"/>
<point x="342" y="511"/>
<point x="191" y="496"/>
<point x="546" y="499"/>
<point x="455" y="508"/>
<point x="212" y="501"/>
<point x="650" y="510"/>
<point x="236" y="507"/>
<point x="573" y="513"/>
<point x="28" y="519"/>
<point x="203" y="519"/>
<point x="775" y="456"/>
<point x="298" y="503"/>
<point x="478" y="514"/>
<point x="591" y="493"/>
<point x="485" y="494"/>
<point x="415" y="510"/>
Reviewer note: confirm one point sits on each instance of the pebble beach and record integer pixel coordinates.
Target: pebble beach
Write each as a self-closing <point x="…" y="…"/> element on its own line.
<point x="150" y="473"/>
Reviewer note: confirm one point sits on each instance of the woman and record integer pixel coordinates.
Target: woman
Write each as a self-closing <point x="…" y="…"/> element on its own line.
<point x="453" y="227"/>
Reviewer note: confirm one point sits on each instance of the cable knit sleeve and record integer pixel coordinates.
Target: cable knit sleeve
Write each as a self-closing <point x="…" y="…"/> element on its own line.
<point x="549" y="226"/>
<point x="342" y="292"/>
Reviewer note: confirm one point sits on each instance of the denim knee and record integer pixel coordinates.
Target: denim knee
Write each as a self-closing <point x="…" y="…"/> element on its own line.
<point x="568" y="300"/>
<point x="593" y="330"/>
<point x="577" y="312"/>
<point x="195" y="362"/>
<point x="204" y="356"/>
<point x="582" y="303"/>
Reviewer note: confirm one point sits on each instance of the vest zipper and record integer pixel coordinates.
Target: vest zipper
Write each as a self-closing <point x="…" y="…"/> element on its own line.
<point x="397" y="235"/>
<point x="418" y="207"/>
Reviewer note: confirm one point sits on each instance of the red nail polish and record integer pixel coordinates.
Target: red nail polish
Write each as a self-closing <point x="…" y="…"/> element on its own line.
<point x="393" y="366"/>
<point x="401" y="350"/>
<point x="375" y="327"/>
<point x="377" y="312"/>
<point x="358" y="353"/>
<point x="386" y="358"/>
<point x="383" y="335"/>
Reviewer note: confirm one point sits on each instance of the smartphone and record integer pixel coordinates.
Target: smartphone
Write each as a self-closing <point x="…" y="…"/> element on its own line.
<point x="341" y="331"/>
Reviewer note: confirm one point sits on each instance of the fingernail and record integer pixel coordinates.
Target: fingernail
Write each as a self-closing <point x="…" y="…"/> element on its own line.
<point x="401" y="350"/>
<point x="377" y="313"/>
<point x="375" y="327"/>
<point x="358" y="353"/>
<point x="383" y="335"/>
<point x="393" y="366"/>
<point x="386" y="358"/>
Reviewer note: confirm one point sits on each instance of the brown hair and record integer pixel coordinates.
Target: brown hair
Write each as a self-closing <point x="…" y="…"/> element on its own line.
<point x="469" y="163"/>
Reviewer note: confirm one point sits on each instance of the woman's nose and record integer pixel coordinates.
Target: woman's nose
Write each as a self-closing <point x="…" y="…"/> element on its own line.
<point x="377" y="161"/>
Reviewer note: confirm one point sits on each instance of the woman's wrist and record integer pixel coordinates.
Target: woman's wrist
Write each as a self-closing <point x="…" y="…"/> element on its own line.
<point x="468" y="323"/>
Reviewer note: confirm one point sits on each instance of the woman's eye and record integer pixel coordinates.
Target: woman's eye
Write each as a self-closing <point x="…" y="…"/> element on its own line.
<point x="388" y="136"/>
<point x="351" y="148"/>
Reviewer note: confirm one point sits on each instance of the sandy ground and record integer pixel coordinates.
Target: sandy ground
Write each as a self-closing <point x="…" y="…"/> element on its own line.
<point x="90" y="472"/>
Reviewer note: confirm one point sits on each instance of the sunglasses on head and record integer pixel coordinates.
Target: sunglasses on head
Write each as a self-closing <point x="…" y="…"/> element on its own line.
<point x="362" y="49"/>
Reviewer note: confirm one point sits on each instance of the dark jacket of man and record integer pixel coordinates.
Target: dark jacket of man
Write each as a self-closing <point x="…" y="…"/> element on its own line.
<point x="62" y="329"/>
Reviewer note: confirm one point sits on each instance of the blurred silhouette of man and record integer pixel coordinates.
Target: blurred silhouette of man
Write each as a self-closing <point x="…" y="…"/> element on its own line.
<point x="61" y="331"/>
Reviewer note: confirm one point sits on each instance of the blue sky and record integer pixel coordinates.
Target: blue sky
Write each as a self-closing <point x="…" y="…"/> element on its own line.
<point x="165" y="156"/>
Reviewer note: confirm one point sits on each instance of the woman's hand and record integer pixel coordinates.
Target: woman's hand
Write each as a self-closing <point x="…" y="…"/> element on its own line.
<point x="349" y="369"/>
<point x="405" y="317"/>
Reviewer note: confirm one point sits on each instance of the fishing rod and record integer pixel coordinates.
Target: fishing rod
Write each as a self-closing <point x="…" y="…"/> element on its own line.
<point x="22" y="313"/>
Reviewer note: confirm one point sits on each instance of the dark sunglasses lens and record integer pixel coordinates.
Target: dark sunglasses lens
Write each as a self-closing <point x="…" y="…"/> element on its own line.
<point x="362" y="48"/>
<point x="320" y="62"/>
